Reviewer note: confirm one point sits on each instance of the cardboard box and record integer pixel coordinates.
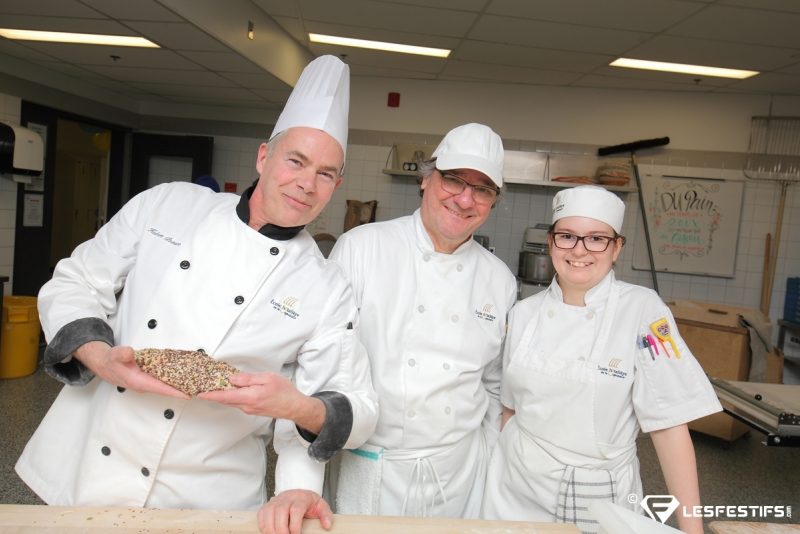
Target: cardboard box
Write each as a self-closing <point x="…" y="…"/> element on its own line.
<point x="722" y="346"/>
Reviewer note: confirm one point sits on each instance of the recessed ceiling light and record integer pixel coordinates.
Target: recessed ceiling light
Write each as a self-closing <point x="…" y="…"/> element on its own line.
<point x="378" y="45"/>
<point x="82" y="38"/>
<point x="682" y="68"/>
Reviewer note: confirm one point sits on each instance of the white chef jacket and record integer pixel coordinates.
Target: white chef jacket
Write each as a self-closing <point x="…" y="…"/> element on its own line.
<point x="193" y="275"/>
<point x="433" y="325"/>
<point x="582" y="386"/>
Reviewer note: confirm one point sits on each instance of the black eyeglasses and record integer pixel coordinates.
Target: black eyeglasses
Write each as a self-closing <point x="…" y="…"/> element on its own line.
<point x="592" y="243"/>
<point x="456" y="185"/>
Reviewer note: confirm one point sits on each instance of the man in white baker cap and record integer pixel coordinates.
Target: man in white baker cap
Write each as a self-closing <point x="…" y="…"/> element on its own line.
<point x="433" y="307"/>
<point x="182" y="267"/>
<point x="588" y="364"/>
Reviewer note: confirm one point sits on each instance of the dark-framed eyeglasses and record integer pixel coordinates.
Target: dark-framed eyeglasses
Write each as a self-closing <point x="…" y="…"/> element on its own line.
<point x="592" y="243"/>
<point x="455" y="185"/>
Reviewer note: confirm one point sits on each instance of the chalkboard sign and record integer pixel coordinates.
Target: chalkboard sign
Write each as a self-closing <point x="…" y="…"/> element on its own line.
<point x="693" y="223"/>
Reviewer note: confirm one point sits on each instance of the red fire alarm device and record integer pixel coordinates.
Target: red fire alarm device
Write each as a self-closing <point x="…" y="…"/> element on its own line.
<point x="230" y="187"/>
<point x="394" y="100"/>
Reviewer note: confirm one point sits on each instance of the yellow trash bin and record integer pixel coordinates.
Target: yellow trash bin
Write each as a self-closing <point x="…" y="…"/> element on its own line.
<point x="19" y="344"/>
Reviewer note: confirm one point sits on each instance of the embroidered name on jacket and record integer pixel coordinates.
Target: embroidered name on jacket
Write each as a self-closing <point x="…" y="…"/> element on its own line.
<point x="286" y="307"/>
<point x="166" y="238"/>
<point x="612" y="369"/>
<point x="485" y="313"/>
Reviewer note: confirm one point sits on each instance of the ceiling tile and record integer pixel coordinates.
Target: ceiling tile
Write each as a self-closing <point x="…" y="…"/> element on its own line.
<point x="294" y="28"/>
<point x="383" y="72"/>
<point x="611" y="82"/>
<point x="177" y="36"/>
<point x="713" y="53"/>
<point x="776" y="5"/>
<point x="555" y="35"/>
<point x="128" y="57"/>
<point x="51" y="8"/>
<point x="501" y="73"/>
<point x="523" y="56"/>
<point x="258" y="81"/>
<point x="222" y="61"/>
<point x="741" y="25"/>
<point x="134" y="10"/>
<point x="150" y="75"/>
<point x="278" y="8"/>
<point x="640" y="15"/>
<point x="665" y="77"/>
<point x="64" y="24"/>
<point x="418" y="39"/>
<point x="771" y="82"/>
<point x="21" y="50"/>
<point x="461" y="5"/>
<point x="380" y="15"/>
<point x="390" y="60"/>
<point x="214" y="94"/>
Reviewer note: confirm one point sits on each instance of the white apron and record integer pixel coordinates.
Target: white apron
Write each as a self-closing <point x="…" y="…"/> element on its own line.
<point x="569" y="387"/>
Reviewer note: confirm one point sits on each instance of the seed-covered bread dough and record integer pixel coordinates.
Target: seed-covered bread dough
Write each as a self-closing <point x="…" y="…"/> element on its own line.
<point x="188" y="371"/>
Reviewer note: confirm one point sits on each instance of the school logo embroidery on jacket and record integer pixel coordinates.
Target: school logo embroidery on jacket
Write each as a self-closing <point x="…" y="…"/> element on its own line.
<point x="166" y="238"/>
<point x="287" y="306"/>
<point x="612" y="369"/>
<point x="485" y="313"/>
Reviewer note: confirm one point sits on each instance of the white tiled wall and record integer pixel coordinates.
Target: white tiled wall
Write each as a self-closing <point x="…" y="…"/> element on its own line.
<point x="523" y="206"/>
<point x="9" y="112"/>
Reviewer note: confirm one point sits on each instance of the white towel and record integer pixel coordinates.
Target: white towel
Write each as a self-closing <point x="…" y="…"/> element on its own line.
<point x="358" y="489"/>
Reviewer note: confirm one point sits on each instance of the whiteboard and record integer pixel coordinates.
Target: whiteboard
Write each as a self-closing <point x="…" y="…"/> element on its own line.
<point x="693" y="223"/>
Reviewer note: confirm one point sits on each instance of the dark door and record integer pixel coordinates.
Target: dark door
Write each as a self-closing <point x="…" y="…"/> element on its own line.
<point x="58" y="196"/>
<point x="197" y="151"/>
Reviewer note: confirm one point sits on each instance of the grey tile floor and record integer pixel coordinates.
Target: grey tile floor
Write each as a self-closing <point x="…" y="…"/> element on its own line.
<point x="744" y="472"/>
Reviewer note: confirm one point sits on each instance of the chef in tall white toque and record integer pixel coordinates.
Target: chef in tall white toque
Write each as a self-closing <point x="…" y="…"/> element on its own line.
<point x="182" y="267"/>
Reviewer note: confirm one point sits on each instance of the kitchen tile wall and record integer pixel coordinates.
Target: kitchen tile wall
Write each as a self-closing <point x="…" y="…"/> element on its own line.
<point x="9" y="112"/>
<point x="522" y="206"/>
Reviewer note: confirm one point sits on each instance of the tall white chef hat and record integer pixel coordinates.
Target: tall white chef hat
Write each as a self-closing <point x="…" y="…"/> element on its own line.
<point x="590" y="201"/>
<point x="472" y="146"/>
<point x="321" y="100"/>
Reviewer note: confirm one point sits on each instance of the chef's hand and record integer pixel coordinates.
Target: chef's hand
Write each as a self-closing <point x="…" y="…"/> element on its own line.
<point x="271" y="395"/>
<point x="118" y="366"/>
<point x="284" y="513"/>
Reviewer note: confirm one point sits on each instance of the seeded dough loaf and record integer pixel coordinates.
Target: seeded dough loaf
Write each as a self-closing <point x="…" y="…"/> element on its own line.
<point x="188" y="371"/>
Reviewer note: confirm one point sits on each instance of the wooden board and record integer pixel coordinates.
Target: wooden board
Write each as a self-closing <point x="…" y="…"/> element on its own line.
<point x="739" y="527"/>
<point x="29" y="519"/>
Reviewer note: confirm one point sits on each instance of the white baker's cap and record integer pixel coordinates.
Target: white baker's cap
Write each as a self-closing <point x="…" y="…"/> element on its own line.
<point x="321" y="100"/>
<point x="472" y="146"/>
<point x="590" y="201"/>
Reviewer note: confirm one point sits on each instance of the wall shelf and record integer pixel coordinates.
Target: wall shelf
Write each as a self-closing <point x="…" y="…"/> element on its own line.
<point x="535" y="168"/>
<point x="399" y="172"/>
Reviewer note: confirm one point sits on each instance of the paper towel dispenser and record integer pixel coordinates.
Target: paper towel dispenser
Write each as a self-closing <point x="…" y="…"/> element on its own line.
<point x="21" y="152"/>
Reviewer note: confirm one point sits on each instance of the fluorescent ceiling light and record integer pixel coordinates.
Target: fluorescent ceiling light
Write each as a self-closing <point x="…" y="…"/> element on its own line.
<point x="378" y="45"/>
<point x="682" y="68"/>
<point x="82" y="38"/>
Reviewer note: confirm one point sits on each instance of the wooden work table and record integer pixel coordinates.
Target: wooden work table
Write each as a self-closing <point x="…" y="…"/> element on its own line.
<point x="744" y="527"/>
<point x="29" y="519"/>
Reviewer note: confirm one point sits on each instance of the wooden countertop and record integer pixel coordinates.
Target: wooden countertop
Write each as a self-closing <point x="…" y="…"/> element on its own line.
<point x="743" y="527"/>
<point x="28" y="519"/>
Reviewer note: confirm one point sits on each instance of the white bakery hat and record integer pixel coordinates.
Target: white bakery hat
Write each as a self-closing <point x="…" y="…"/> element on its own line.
<point x="590" y="201"/>
<point x="320" y="99"/>
<point x="472" y="146"/>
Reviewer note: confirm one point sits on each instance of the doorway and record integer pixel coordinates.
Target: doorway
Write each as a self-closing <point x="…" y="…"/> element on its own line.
<point x="82" y="157"/>
<point x="80" y="188"/>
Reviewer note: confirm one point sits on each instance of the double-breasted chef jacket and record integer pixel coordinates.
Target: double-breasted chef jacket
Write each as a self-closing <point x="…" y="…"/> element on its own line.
<point x="583" y="385"/>
<point x="178" y="267"/>
<point x="433" y="325"/>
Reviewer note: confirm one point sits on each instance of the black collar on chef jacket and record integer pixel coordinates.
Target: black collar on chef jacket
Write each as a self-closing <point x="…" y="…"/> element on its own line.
<point x="279" y="233"/>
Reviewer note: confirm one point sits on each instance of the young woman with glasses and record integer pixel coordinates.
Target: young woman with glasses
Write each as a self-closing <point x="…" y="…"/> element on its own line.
<point x="587" y="364"/>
